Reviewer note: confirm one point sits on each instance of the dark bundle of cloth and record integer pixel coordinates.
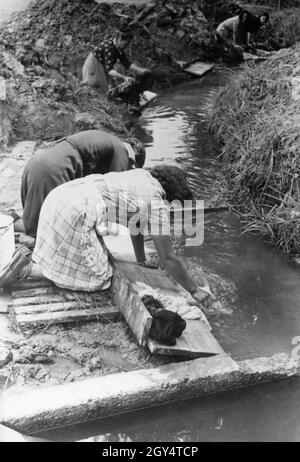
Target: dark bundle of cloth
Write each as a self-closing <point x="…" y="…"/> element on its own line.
<point x="166" y="325"/>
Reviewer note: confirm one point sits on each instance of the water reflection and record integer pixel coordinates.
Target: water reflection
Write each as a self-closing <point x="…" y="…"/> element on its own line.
<point x="265" y="413"/>
<point x="258" y="287"/>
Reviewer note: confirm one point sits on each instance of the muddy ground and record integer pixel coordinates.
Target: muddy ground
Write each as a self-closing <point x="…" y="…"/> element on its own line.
<point x="65" y="354"/>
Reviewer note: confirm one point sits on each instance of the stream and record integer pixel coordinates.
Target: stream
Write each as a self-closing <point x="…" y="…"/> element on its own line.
<point x="257" y="286"/>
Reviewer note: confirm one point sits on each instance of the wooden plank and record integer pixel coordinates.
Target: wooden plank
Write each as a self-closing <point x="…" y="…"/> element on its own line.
<point x="154" y="277"/>
<point x="31" y="284"/>
<point x="55" y="299"/>
<point x="130" y="305"/>
<point x="199" y="69"/>
<point x="197" y="340"/>
<point x="147" y="97"/>
<point x="122" y="253"/>
<point x="53" y="294"/>
<point x="5" y="302"/>
<point x="48" y="307"/>
<point x="34" y="292"/>
<point x="64" y="317"/>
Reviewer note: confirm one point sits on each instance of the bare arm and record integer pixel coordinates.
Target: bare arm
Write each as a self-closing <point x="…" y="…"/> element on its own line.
<point x="138" y="247"/>
<point x="248" y="38"/>
<point x="175" y="268"/>
<point x="171" y="263"/>
<point x="116" y="75"/>
<point x="235" y="32"/>
<point x="138" y="70"/>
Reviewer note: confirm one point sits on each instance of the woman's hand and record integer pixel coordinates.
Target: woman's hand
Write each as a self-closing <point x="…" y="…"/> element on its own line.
<point x="204" y="296"/>
<point x="128" y="80"/>
<point x="145" y="71"/>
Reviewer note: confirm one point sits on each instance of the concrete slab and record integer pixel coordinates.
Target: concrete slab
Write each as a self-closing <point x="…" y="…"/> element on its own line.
<point x="115" y="394"/>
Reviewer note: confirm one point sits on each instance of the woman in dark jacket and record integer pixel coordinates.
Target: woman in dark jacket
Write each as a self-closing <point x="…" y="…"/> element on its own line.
<point x="78" y="155"/>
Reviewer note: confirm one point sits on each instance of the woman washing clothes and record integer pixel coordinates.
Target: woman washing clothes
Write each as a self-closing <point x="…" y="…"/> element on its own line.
<point x="239" y="29"/>
<point x="69" y="247"/>
<point x="99" y="70"/>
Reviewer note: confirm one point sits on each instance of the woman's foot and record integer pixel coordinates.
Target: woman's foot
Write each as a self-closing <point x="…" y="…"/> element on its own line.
<point x="26" y="240"/>
<point x="18" y="269"/>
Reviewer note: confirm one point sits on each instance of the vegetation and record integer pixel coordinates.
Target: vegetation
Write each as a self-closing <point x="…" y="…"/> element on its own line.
<point x="257" y="119"/>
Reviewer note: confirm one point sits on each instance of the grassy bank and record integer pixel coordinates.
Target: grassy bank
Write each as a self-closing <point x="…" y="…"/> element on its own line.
<point x="257" y="119"/>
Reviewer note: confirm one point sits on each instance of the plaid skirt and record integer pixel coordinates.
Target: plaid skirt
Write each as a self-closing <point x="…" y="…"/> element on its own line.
<point x="69" y="247"/>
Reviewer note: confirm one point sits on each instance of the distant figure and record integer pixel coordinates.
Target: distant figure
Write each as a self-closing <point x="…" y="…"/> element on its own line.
<point x="78" y="155"/>
<point x="252" y="25"/>
<point x="99" y="70"/>
<point x="239" y="29"/>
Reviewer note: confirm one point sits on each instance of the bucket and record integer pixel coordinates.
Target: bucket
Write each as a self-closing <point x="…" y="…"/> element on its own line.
<point x="7" y="240"/>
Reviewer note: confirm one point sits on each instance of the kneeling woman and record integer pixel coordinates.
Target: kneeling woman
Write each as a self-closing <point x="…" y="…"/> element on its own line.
<point x="69" y="247"/>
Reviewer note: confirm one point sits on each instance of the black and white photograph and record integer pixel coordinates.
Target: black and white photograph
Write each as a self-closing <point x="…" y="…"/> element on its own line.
<point x="149" y="224"/>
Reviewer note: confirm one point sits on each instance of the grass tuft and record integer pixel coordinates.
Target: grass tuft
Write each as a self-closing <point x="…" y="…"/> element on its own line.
<point x="257" y="120"/>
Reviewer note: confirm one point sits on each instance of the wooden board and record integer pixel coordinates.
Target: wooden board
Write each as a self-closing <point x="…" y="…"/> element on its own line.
<point x="66" y="317"/>
<point x="51" y="305"/>
<point x="197" y="341"/>
<point x="147" y="98"/>
<point x="31" y="284"/>
<point x="198" y="68"/>
<point x="130" y="304"/>
<point x="5" y="302"/>
<point x="35" y="292"/>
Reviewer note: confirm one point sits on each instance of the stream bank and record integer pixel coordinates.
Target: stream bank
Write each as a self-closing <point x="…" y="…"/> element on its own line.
<point x="256" y="118"/>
